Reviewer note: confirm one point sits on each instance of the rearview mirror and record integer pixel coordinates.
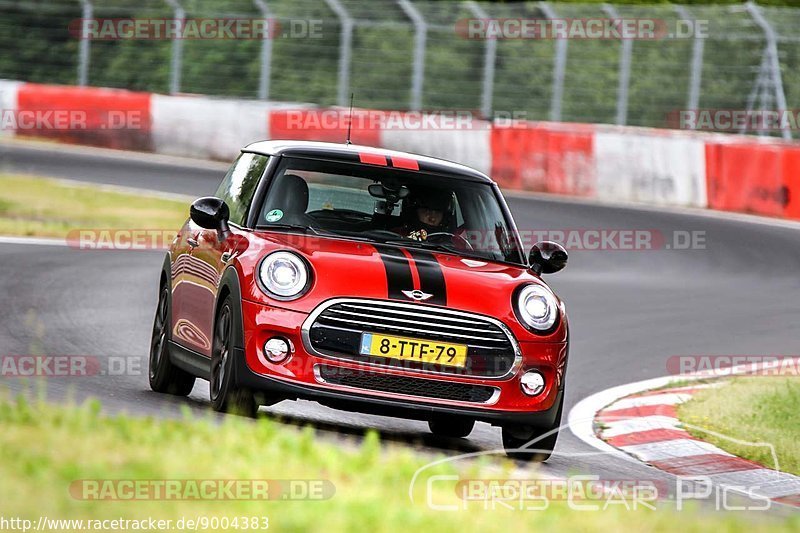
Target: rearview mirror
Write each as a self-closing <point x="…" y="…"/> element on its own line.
<point x="387" y="192"/>
<point x="547" y="257"/>
<point x="210" y="212"/>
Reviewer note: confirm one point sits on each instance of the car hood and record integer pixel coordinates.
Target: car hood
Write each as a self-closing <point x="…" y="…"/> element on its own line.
<point x="345" y="268"/>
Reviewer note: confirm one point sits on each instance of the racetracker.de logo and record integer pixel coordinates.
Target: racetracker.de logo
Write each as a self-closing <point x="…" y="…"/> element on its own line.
<point x="578" y="28"/>
<point x="202" y="489"/>
<point x="69" y="366"/>
<point x="71" y="120"/>
<point x="167" y="29"/>
<point x="120" y="239"/>
<point x="598" y="239"/>
<point x="735" y="120"/>
<point x="726" y="365"/>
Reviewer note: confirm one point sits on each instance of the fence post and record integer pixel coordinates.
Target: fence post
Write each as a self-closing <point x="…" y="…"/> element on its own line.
<point x="489" y="58"/>
<point x="559" y="67"/>
<point x="696" y="69"/>
<point x="624" y="70"/>
<point x="345" y="51"/>
<point x="420" y="36"/>
<point x="85" y="45"/>
<point x="177" y="48"/>
<point x="771" y="61"/>
<point x="266" y="51"/>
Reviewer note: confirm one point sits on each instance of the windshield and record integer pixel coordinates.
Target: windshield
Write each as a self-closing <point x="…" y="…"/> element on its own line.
<point x="389" y="205"/>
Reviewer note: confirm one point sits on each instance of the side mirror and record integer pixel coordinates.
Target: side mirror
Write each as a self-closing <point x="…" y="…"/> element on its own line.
<point x="211" y="213"/>
<point x="547" y="257"/>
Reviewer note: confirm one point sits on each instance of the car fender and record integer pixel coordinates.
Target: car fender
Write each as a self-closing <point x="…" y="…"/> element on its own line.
<point x="229" y="285"/>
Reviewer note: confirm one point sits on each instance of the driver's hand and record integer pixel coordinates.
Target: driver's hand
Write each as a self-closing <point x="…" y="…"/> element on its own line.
<point x="418" y="235"/>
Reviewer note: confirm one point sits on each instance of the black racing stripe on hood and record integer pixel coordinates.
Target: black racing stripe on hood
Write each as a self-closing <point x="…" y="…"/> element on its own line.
<point x="431" y="276"/>
<point x="398" y="271"/>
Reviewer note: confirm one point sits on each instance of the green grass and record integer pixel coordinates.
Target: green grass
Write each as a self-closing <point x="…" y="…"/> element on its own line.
<point x="45" y="448"/>
<point x="755" y="409"/>
<point x="42" y="207"/>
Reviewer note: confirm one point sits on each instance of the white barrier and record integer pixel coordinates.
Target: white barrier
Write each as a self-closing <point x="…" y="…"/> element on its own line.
<point x="470" y="147"/>
<point x="650" y="166"/>
<point x="8" y="107"/>
<point x="205" y="127"/>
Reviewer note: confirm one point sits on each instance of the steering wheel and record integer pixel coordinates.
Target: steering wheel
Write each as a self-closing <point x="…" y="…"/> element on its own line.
<point x="453" y="237"/>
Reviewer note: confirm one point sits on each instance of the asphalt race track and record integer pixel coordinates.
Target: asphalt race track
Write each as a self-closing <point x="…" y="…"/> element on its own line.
<point x="629" y="310"/>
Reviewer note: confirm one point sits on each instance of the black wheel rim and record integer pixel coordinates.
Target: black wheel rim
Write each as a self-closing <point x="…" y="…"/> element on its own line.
<point x="221" y="349"/>
<point x="158" y="339"/>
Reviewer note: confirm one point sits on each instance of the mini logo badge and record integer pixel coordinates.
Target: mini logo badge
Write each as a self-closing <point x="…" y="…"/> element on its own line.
<point x="417" y="295"/>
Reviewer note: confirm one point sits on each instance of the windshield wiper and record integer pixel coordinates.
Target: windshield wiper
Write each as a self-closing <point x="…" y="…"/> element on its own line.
<point x="315" y="231"/>
<point x="424" y="244"/>
<point x="299" y="227"/>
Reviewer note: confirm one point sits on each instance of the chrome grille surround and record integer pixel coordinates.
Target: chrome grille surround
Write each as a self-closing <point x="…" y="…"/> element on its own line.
<point x="417" y="319"/>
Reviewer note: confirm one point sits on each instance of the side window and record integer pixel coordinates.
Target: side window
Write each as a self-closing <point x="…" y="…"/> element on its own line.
<point x="239" y="184"/>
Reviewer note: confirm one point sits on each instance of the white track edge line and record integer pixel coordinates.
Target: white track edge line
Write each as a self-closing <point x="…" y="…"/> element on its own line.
<point x="581" y="416"/>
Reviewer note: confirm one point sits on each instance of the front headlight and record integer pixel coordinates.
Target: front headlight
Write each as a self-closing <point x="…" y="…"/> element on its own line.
<point x="537" y="307"/>
<point x="283" y="275"/>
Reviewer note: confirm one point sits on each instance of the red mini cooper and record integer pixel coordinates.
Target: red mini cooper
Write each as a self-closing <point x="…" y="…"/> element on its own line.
<point x="367" y="280"/>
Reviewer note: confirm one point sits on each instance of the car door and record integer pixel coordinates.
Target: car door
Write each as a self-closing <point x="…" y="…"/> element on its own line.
<point x="209" y="254"/>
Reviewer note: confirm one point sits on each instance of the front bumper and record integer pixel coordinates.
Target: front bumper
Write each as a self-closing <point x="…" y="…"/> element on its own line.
<point x="306" y="376"/>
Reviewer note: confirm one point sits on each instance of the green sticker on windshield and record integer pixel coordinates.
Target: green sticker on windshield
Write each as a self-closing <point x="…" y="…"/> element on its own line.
<point x="274" y="215"/>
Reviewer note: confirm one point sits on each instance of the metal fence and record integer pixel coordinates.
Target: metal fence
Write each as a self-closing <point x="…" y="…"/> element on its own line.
<point x="413" y="54"/>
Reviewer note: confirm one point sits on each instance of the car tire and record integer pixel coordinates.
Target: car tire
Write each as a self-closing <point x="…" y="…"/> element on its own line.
<point x="226" y="396"/>
<point x="453" y="427"/>
<point x="516" y="438"/>
<point x="164" y="376"/>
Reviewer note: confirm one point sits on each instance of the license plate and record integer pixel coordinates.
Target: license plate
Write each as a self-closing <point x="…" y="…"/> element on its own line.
<point x="407" y="349"/>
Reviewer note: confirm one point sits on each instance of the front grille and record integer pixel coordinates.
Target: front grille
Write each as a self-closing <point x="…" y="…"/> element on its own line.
<point x="421" y="388"/>
<point x="337" y="328"/>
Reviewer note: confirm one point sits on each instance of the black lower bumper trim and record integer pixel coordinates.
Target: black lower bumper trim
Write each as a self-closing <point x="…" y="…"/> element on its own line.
<point x="246" y="378"/>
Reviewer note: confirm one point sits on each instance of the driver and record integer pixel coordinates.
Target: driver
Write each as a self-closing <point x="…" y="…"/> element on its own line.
<point x="427" y="211"/>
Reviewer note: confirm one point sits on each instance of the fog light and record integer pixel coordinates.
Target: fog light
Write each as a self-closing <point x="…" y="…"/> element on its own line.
<point x="276" y="350"/>
<point x="532" y="383"/>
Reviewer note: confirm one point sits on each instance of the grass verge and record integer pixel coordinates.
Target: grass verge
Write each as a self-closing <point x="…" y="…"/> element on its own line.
<point x="750" y="409"/>
<point x="42" y="207"/>
<point x="46" y="448"/>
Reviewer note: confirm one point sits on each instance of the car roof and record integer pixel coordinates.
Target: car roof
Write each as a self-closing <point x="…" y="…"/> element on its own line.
<point x="353" y="153"/>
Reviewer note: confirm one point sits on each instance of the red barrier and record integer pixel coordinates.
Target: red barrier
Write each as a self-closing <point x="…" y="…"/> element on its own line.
<point x="791" y="182"/>
<point x="746" y="178"/>
<point x="570" y="162"/>
<point x="329" y="125"/>
<point x="545" y="158"/>
<point x="112" y="118"/>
